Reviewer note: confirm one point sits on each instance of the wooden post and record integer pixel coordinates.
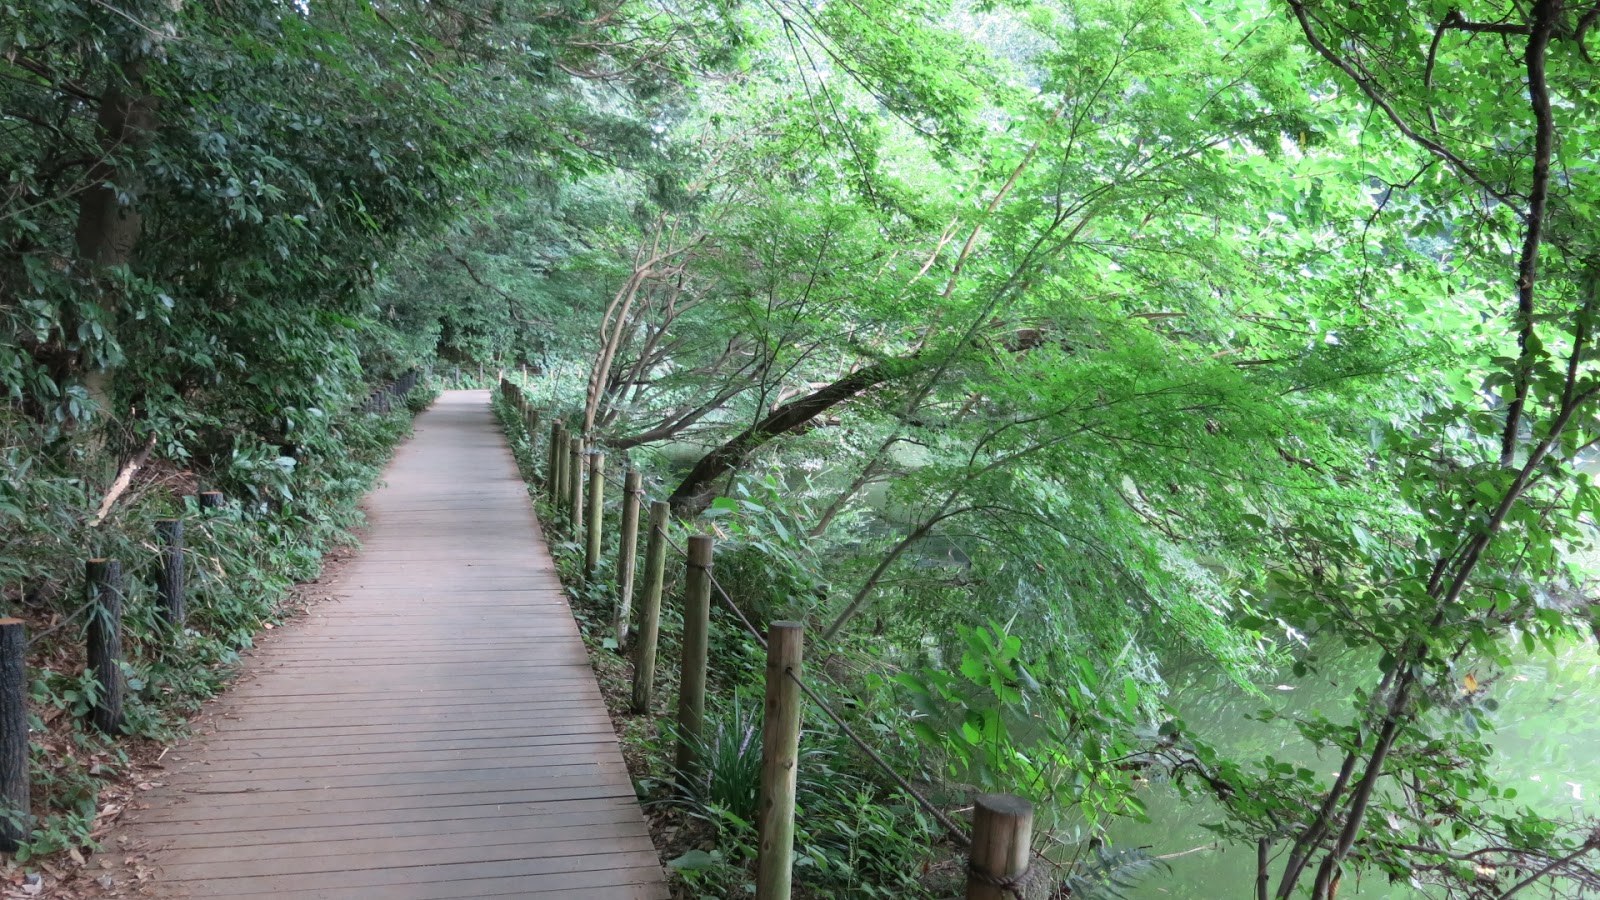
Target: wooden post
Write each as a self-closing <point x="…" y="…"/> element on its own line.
<point x="1002" y="839"/>
<point x="532" y="422"/>
<point x="696" y="633"/>
<point x="575" y="486"/>
<point x="169" y="577"/>
<point x="597" y="508"/>
<point x="627" y="551"/>
<point x="15" y="802"/>
<point x="552" y="484"/>
<point x="780" y="761"/>
<point x="216" y="499"/>
<point x="566" y="471"/>
<point x="104" y="588"/>
<point x="655" y="567"/>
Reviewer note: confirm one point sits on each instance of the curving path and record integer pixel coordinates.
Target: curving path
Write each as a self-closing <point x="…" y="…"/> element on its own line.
<point x="433" y="731"/>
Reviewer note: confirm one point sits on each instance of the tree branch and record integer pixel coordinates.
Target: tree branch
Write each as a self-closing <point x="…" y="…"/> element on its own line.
<point x="1545" y="13"/>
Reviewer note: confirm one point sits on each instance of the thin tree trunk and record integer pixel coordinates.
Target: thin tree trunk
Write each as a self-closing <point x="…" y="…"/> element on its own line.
<point x="107" y="229"/>
<point x="694" y="494"/>
<point x="673" y="426"/>
<point x="611" y="326"/>
<point x="921" y="531"/>
<point x="861" y="481"/>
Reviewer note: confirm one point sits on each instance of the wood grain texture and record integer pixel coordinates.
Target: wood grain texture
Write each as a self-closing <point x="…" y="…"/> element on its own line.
<point x="430" y="730"/>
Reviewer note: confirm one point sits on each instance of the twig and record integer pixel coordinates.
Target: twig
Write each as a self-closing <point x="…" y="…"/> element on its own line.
<point x="123" y="480"/>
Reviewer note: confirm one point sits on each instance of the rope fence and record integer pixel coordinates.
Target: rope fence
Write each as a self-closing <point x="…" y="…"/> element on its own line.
<point x="999" y="843"/>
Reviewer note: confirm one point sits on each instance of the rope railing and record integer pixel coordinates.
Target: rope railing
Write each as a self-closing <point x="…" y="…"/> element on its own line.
<point x="1002" y="823"/>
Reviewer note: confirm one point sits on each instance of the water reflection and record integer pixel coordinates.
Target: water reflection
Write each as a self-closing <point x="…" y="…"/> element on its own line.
<point x="1546" y="733"/>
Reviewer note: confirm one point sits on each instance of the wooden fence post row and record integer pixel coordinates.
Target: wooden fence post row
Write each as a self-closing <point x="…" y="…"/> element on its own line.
<point x="998" y="867"/>
<point x="15" y="801"/>
<point x="696" y="628"/>
<point x="380" y="397"/>
<point x="529" y="415"/>
<point x="104" y="602"/>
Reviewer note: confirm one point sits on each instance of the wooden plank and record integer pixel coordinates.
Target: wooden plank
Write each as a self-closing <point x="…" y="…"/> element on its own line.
<point x="337" y="839"/>
<point x="629" y="884"/>
<point x="548" y="716"/>
<point x="413" y="699"/>
<point x="285" y="782"/>
<point x="457" y="873"/>
<point x="590" y="723"/>
<point x="243" y="772"/>
<point x="574" y="690"/>
<point x="394" y="853"/>
<point x="554" y="813"/>
<point x="535" y="768"/>
<point x="312" y="750"/>
<point x="432" y="731"/>
<point x="513" y="585"/>
<point x="214" y="802"/>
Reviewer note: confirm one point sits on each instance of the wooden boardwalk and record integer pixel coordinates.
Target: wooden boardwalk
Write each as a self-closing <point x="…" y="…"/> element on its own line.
<point x="434" y="731"/>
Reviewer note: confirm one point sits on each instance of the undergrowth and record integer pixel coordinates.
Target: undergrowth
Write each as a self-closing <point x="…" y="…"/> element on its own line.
<point x="289" y="504"/>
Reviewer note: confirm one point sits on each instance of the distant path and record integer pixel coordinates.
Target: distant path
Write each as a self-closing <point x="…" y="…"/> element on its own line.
<point x="434" y="731"/>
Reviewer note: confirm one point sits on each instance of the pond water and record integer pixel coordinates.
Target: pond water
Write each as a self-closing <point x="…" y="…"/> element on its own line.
<point x="1546" y="733"/>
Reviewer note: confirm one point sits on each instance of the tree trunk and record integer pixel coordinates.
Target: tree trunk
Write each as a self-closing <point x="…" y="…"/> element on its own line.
<point x="107" y="230"/>
<point x="694" y="494"/>
<point x="108" y="227"/>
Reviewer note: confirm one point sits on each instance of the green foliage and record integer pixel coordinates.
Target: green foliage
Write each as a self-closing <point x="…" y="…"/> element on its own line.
<point x="726" y="784"/>
<point x="1111" y="873"/>
<point x="1031" y="351"/>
